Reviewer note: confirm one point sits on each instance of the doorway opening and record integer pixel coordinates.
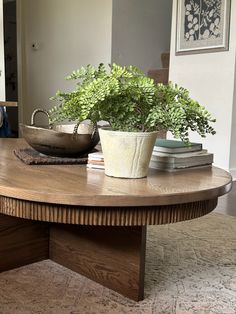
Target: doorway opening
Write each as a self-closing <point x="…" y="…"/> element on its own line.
<point x="10" y="55"/>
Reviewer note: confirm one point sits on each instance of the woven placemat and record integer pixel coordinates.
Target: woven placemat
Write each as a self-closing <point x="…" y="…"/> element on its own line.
<point x="31" y="157"/>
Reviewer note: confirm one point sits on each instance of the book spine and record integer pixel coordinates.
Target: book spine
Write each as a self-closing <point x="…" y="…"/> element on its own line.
<point x="90" y="166"/>
<point x="180" y="155"/>
<point x="172" y="150"/>
<point x="183" y="160"/>
<point x="160" y="165"/>
<point x="96" y="162"/>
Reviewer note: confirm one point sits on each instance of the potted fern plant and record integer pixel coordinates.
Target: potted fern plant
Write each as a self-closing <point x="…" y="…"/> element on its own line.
<point x="135" y="108"/>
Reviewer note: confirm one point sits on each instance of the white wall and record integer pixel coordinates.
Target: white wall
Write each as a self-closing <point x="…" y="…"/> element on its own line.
<point x="140" y="32"/>
<point x="70" y="34"/>
<point x="233" y="134"/>
<point x="210" y="77"/>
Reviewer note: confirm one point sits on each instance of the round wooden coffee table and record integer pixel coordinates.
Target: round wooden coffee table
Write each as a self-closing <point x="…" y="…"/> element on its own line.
<point x="92" y="223"/>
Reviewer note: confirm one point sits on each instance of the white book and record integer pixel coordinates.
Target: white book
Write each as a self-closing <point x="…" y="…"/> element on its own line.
<point x="92" y="166"/>
<point x="96" y="156"/>
<point x="95" y="159"/>
<point x="179" y="155"/>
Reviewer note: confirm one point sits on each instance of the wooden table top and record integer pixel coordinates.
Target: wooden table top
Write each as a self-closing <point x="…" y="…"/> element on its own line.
<point x="76" y="185"/>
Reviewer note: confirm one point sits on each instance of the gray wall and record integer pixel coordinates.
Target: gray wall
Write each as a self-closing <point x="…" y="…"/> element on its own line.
<point x="141" y="31"/>
<point x="77" y="32"/>
<point x="69" y="34"/>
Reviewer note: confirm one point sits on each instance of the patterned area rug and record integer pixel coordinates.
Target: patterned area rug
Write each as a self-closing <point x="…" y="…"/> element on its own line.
<point x="190" y="268"/>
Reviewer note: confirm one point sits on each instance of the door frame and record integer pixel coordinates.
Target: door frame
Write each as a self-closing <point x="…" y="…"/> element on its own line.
<point x="2" y="58"/>
<point x="20" y="61"/>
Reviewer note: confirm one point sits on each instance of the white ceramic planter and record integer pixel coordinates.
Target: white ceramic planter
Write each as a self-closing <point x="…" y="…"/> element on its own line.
<point x="127" y="154"/>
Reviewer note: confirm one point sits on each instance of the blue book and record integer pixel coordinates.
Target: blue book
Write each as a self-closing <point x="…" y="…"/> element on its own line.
<point x="174" y="146"/>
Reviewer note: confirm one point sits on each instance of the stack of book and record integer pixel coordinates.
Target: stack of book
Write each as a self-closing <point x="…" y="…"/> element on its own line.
<point x="174" y="155"/>
<point x="95" y="161"/>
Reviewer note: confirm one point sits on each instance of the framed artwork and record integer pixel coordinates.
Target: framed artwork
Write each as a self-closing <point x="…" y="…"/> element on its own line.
<point x="202" y="26"/>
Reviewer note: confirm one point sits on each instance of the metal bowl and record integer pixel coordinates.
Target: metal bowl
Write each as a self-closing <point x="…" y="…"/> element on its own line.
<point x="51" y="142"/>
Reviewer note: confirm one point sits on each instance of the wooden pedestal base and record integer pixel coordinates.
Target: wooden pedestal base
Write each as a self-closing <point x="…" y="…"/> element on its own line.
<point x="22" y="242"/>
<point x="111" y="256"/>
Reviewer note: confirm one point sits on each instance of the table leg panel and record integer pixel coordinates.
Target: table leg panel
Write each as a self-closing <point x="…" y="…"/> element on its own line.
<point x="111" y="256"/>
<point x="22" y="242"/>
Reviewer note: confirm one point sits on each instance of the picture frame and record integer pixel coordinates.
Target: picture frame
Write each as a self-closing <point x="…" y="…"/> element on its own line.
<point x="202" y="26"/>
